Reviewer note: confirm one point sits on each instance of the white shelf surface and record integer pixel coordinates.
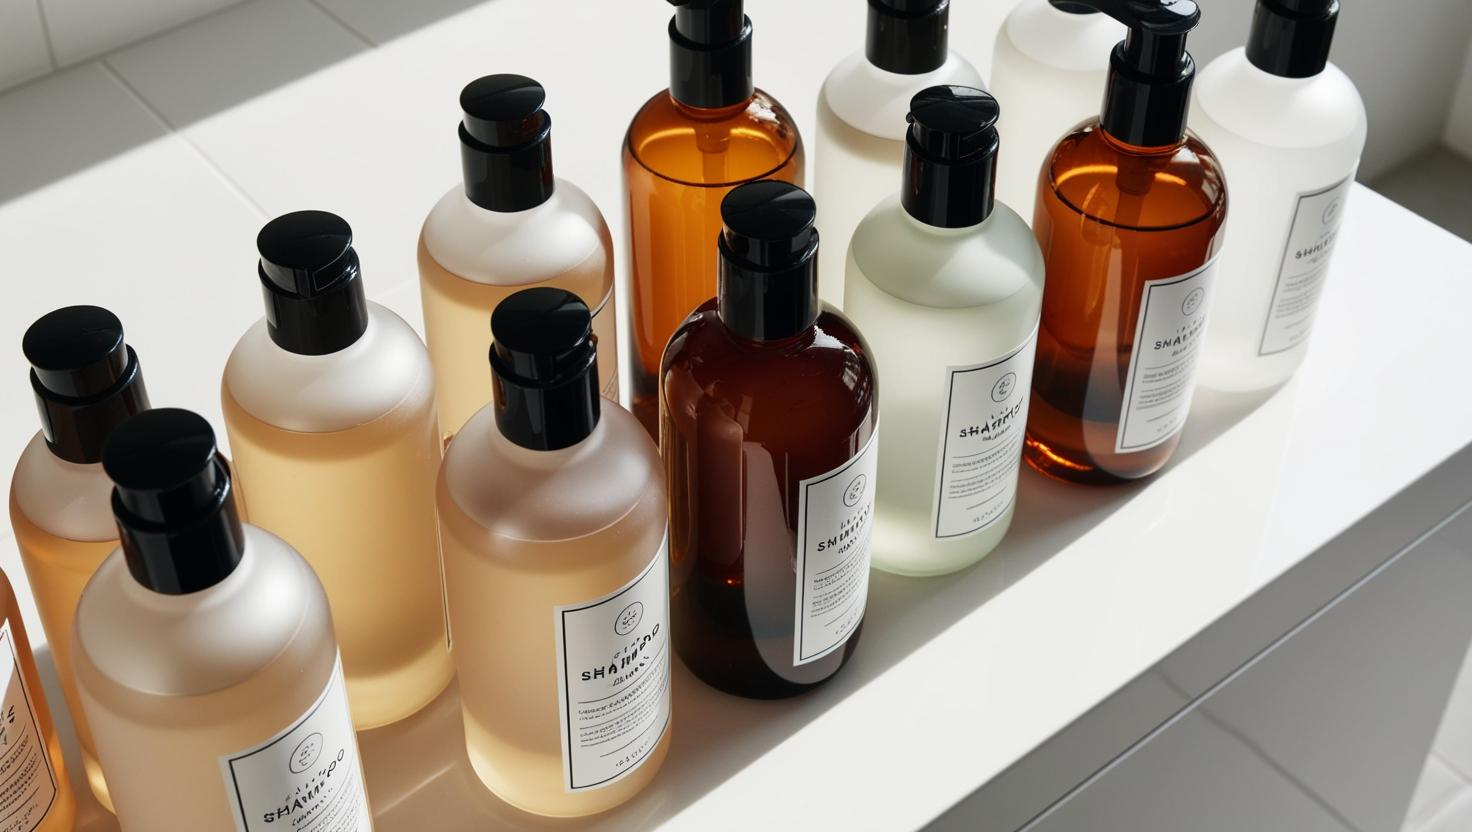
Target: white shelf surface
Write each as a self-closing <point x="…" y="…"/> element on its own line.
<point x="138" y="182"/>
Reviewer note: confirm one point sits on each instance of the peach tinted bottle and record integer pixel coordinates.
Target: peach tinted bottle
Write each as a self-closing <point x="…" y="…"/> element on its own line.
<point x="768" y="426"/>
<point x="1129" y="218"/>
<point x="87" y="381"/>
<point x="685" y="149"/>
<point x="35" y="794"/>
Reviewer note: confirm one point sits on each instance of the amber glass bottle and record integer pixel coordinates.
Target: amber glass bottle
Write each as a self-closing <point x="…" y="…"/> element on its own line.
<point x="685" y="149"/>
<point x="1129" y="214"/>
<point x="768" y="421"/>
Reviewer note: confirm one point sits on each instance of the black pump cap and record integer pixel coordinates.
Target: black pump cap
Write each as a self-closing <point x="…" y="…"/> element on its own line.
<point x="1150" y="72"/>
<point x="312" y="284"/>
<point x="506" y="143"/>
<point x="907" y="37"/>
<point x="710" y="53"/>
<point x="1292" y="38"/>
<point x="173" y="501"/>
<point x="767" y="277"/>
<point x="1073" y="7"/>
<point x="86" y="379"/>
<point x="951" y="156"/>
<point x="544" y="369"/>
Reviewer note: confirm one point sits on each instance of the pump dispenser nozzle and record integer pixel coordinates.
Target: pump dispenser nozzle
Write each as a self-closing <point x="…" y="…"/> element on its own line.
<point x="1150" y="72"/>
<point x="710" y="53"/>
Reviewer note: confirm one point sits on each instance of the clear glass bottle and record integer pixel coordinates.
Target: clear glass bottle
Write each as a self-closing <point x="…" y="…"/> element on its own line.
<point x="204" y="654"/>
<point x="329" y="405"/>
<point x="1129" y="217"/>
<point x="1050" y="64"/>
<point x="87" y="381"/>
<point x="509" y="225"/>
<point x="947" y="286"/>
<point x="1289" y="128"/>
<point x="552" y="512"/>
<point x="861" y="118"/>
<point x="768" y="427"/>
<point x="685" y="149"/>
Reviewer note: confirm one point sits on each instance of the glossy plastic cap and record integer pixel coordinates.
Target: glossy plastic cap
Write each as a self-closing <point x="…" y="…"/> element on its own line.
<point x="767" y="277"/>
<point x="506" y="143"/>
<point x="710" y="53"/>
<point x="907" y="37"/>
<point x="311" y="282"/>
<point x="951" y="156"/>
<point x="1292" y="38"/>
<point x="85" y="378"/>
<point x="173" y="501"/>
<point x="544" y="367"/>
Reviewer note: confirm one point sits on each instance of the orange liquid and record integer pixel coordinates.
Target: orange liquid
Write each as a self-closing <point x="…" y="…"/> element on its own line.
<point x="679" y="163"/>
<point x="20" y="762"/>
<point x="1109" y="218"/>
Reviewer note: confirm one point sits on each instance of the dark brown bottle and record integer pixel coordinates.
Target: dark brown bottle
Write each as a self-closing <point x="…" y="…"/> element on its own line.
<point x="1129" y="216"/>
<point x="768" y="419"/>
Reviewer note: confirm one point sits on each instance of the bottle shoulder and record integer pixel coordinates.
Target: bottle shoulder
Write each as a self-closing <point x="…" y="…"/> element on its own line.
<point x="385" y="369"/>
<point x="1057" y="39"/>
<point x="875" y="101"/>
<point x="682" y="144"/>
<point x="520" y="247"/>
<point x="513" y="493"/>
<point x="1096" y="176"/>
<point x="66" y="499"/>
<point x="948" y="268"/>
<point x="270" y="610"/>
<point x="1236" y="102"/>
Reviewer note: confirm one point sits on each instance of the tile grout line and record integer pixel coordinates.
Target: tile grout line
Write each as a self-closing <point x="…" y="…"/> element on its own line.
<point x="195" y="149"/>
<point x="1462" y="777"/>
<point x="46" y="35"/>
<point x="340" y="22"/>
<point x="1444" y="811"/>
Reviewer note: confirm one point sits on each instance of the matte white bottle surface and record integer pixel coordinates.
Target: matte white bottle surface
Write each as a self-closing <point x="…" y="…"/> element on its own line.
<point x="341" y="451"/>
<point x="470" y="259"/>
<point x="221" y="709"/>
<point x="62" y="516"/>
<point x="1048" y="72"/>
<point x="558" y="579"/>
<point x="952" y="316"/>
<point x="860" y="146"/>
<point x="1289" y="148"/>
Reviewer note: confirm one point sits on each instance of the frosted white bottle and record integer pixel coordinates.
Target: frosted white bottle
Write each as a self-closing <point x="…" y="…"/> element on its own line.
<point x="1048" y="67"/>
<point x="861" y="118"/>
<point x="1289" y="128"/>
<point x="947" y="285"/>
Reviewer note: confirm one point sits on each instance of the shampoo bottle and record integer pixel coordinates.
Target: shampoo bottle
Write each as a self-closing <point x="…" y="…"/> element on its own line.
<point x="87" y="381"/>
<point x="509" y="225"/>
<point x="768" y="426"/>
<point x="552" y="509"/>
<point x="329" y="405"/>
<point x="861" y="117"/>
<point x="685" y="149"/>
<point x="1288" y="127"/>
<point x="947" y="284"/>
<point x="204" y="654"/>
<point x="1050" y="63"/>
<point x="1129" y="217"/>
<point x="35" y="794"/>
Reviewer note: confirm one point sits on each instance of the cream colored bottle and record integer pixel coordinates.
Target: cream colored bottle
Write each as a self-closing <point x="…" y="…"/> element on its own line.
<point x="86" y="381"/>
<point x="508" y="226"/>
<point x="205" y="657"/>
<point x="329" y="404"/>
<point x="553" y="517"/>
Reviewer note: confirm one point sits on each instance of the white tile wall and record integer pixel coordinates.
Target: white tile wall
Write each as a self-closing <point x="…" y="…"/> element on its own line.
<point x="82" y="29"/>
<point x="23" y="51"/>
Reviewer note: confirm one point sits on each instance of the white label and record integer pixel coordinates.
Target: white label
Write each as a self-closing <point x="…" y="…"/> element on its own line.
<point x="981" y="441"/>
<point x="306" y="778"/>
<point x="835" y="522"/>
<point x="613" y="678"/>
<point x="1162" y="374"/>
<point x="27" y="781"/>
<point x="1305" y="264"/>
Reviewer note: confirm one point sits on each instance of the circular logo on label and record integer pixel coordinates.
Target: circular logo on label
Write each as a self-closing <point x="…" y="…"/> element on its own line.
<point x="855" y="491"/>
<point x="306" y="753"/>
<point x="1002" y="390"/>
<point x="1331" y="211"/>
<point x="628" y="619"/>
<point x="1193" y="301"/>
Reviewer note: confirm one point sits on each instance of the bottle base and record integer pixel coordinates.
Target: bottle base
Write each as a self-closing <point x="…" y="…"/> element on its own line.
<point x="93" y="770"/>
<point x="387" y="698"/>
<point x="1054" y="465"/>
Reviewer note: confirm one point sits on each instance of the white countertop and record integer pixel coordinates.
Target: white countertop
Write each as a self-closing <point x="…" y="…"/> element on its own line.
<point x="139" y="183"/>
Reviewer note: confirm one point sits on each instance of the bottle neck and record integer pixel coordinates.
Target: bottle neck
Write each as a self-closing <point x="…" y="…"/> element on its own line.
<point x="1146" y="111"/>
<point x="707" y="75"/>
